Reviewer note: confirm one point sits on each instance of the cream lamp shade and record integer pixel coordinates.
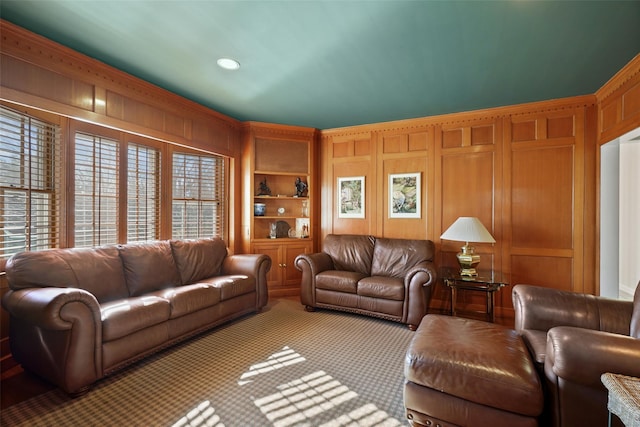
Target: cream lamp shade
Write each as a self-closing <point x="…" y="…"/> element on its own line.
<point x="468" y="229"/>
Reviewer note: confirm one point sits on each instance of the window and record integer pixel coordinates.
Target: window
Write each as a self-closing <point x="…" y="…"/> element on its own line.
<point x="29" y="183"/>
<point x="198" y="196"/>
<point x="96" y="190"/>
<point x="143" y="190"/>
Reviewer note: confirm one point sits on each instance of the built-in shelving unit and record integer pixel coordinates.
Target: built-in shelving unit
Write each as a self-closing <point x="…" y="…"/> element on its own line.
<point x="279" y="199"/>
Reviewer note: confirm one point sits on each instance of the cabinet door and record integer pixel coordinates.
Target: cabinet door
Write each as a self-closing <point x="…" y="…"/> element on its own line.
<point x="292" y="275"/>
<point x="274" y="251"/>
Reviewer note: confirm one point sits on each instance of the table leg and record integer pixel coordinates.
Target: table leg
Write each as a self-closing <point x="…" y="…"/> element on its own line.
<point x="490" y="306"/>
<point x="454" y="297"/>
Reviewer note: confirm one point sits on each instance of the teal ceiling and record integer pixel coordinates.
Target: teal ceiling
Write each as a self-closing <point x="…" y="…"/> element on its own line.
<point x="328" y="64"/>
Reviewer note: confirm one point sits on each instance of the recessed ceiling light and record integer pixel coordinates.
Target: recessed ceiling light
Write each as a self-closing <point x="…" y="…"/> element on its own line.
<point x="228" y="63"/>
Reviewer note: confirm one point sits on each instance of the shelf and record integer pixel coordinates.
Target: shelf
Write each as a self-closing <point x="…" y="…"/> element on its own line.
<point x="281" y="197"/>
<point x="275" y="173"/>
<point x="281" y="239"/>
<point x="278" y="217"/>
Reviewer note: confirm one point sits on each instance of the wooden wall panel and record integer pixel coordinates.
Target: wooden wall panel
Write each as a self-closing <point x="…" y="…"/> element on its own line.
<point x="344" y="155"/>
<point x="545" y="204"/>
<point x="483" y="135"/>
<point x="32" y="79"/>
<point x="402" y="151"/>
<point x="549" y="271"/>
<point x="467" y="187"/>
<point x="542" y="198"/>
<point x="631" y="102"/>
<point x="619" y="103"/>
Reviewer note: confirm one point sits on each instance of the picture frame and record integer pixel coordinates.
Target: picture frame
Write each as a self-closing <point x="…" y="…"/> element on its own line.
<point x="405" y="195"/>
<point x="351" y="197"/>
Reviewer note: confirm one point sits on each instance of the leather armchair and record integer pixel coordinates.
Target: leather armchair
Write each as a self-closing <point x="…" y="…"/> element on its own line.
<point x="575" y="338"/>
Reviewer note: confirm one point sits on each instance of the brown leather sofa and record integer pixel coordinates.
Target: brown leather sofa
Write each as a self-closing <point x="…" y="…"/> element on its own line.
<point x="77" y="315"/>
<point x="386" y="278"/>
<point x="574" y="338"/>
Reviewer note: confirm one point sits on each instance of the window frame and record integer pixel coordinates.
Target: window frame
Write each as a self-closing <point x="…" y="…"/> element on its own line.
<point x="52" y="180"/>
<point x="223" y="199"/>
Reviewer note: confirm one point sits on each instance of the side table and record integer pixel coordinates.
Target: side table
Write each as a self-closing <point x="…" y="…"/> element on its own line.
<point x="624" y="398"/>
<point x="486" y="281"/>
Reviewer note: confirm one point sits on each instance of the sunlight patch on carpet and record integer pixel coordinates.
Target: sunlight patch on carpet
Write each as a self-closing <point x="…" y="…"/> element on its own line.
<point x="281" y="359"/>
<point x="298" y="401"/>
<point x="366" y="416"/>
<point x="202" y="415"/>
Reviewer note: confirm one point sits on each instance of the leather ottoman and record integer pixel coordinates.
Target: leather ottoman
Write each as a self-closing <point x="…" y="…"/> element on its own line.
<point x="463" y="372"/>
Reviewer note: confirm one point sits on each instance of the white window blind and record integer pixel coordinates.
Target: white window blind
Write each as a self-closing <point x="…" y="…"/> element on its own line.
<point x="29" y="183"/>
<point x="198" y="196"/>
<point x="143" y="193"/>
<point x="96" y="190"/>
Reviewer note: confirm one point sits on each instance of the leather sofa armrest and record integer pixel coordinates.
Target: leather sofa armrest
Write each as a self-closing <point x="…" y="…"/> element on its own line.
<point x="43" y="307"/>
<point x="310" y="265"/>
<point x="583" y="355"/>
<point x="419" y="283"/>
<point x="60" y="332"/>
<point x="428" y="268"/>
<point x="255" y="265"/>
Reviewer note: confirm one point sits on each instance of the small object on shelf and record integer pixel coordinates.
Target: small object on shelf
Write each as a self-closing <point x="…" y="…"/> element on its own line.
<point x="281" y="211"/>
<point x="259" y="209"/>
<point x="301" y="187"/>
<point x="282" y="229"/>
<point x="273" y="230"/>
<point x="305" y="208"/>
<point x="264" y="188"/>
<point x="302" y="227"/>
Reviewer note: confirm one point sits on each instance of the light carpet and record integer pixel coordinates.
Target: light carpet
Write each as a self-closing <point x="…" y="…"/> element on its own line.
<point x="282" y="367"/>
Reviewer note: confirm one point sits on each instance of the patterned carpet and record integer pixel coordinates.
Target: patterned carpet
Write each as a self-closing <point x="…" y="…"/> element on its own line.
<point x="282" y="367"/>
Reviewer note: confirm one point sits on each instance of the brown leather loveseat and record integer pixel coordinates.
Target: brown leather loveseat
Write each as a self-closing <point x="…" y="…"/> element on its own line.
<point x="387" y="278"/>
<point x="77" y="315"/>
<point x="574" y="338"/>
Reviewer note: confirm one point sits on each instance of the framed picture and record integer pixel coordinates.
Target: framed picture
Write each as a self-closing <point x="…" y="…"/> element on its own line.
<point x="351" y="197"/>
<point x="404" y="195"/>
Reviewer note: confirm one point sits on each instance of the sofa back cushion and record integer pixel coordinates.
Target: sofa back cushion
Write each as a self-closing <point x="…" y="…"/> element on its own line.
<point x="198" y="259"/>
<point x="96" y="270"/>
<point x="635" y="317"/>
<point x="350" y="252"/>
<point x="395" y="257"/>
<point x="148" y="267"/>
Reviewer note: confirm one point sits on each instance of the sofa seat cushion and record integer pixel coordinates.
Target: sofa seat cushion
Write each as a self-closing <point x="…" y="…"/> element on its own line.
<point x="232" y="286"/>
<point x="124" y="317"/>
<point x="339" y="280"/>
<point x="189" y="298"/>
<point x="382" y="287"/>
<point x="481" y="362"/>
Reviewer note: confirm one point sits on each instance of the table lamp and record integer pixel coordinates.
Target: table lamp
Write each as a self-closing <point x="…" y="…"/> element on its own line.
<point x="468" y="229"/>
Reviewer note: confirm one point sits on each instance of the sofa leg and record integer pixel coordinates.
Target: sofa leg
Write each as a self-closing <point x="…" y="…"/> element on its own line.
<point x="84" y="390"/>
<point x="309" y="308"/>
<point x="412" y="327"/>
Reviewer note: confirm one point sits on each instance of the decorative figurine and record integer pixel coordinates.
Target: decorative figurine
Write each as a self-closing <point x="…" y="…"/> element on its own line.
<point x="264" y="189"/>
<point x="301" y="187"/>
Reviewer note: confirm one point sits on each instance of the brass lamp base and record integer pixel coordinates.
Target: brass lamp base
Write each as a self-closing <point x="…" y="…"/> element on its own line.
<point x="468" y="261"/>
